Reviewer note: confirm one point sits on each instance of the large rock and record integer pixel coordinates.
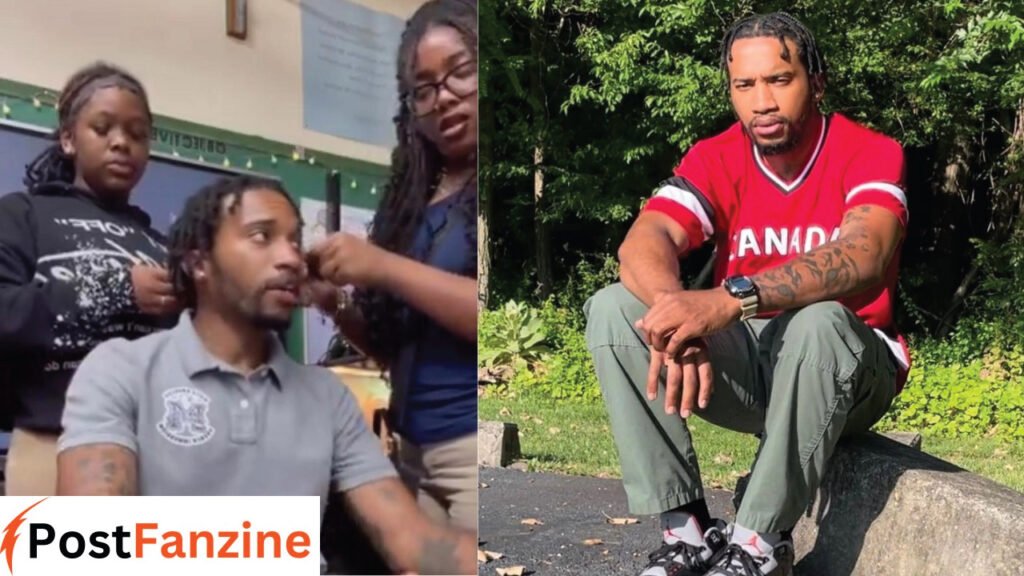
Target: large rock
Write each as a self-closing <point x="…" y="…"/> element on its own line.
<point x="889" y="510"/>
<point x="497" y="444"/>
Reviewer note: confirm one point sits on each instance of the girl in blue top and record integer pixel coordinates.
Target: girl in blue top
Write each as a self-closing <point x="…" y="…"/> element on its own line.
<point x="415" y="304"/>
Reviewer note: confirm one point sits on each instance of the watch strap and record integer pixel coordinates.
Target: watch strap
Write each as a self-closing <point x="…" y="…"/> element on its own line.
<point x="749" y="307"/>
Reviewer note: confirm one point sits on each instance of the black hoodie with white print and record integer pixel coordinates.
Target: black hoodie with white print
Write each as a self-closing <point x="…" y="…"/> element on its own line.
<point x="65" y="286"/>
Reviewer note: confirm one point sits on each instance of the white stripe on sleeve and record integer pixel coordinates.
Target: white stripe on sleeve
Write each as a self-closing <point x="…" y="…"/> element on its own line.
<point x="688" y="200"/>
<point x="886" y="187"/>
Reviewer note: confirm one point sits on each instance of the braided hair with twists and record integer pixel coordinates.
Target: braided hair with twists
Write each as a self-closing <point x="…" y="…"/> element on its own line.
<point x="416" y="170"/>
<point x="778" y="25"/>
<point x="53" y="165"/>
<point x="195" y="229"/>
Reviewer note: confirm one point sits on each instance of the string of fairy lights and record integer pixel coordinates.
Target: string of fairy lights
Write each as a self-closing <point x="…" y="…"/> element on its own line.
<point x="297" y="156"/>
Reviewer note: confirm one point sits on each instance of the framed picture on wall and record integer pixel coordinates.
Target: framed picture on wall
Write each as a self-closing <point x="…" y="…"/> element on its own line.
<point x="237" y="20"/>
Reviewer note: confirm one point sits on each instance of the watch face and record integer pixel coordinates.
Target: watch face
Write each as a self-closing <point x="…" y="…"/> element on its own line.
<point x="740" y="284"/>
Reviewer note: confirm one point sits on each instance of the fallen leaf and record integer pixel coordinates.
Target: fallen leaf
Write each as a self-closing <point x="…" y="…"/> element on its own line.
<point x="723" y="459"/>
<point x="488" y="555"/>
<point x="484" y="485"/>
<point x="619" y="521"/>
<point x="553" y="430"/>
<point x="481" y="557"/>
<point x="537" y="420"/>
<point x="511" y="571"/>
<point x="605" y="551"/>
<point x="504" y="412"/>
<point x="531" y="522"/>
<point x="999" y="453"/>
<point x="592" y="542"/>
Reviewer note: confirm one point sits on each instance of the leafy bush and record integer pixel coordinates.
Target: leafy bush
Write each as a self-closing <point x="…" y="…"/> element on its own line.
<point x="514" y="335"/>
<point x="570" y="372"/>
<point x="545" y="349"/>
<point x="984" y="397"/>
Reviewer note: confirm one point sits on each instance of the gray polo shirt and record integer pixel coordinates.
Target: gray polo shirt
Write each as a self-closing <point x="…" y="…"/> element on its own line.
<point x="199" y="427"/>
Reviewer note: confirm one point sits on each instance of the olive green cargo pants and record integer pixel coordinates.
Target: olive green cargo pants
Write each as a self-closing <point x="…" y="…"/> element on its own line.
<point x="801" y="380"/>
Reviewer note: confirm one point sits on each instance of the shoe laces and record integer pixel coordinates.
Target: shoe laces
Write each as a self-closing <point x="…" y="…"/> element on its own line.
<point x="668" y="552"/>
<point x="734" y="557"/>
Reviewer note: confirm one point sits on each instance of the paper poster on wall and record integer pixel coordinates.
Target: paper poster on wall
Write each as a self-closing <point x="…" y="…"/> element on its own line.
<point x="349" y="56"/>
<point x="319" y="328"/>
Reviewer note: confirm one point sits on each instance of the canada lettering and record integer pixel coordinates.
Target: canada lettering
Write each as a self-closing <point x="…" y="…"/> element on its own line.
<point x="779" y="242"/>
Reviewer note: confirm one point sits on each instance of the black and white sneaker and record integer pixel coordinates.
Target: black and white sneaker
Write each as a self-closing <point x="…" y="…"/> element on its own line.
<point x="682" y="559"/>
<point x="734" y="560"/>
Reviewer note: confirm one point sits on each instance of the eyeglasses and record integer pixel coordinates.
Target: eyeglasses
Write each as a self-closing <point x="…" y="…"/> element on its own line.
<point x="460" y="81"/>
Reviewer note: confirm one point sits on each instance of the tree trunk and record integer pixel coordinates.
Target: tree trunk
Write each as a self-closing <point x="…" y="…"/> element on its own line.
<point x="483" y="263"/>
<point x="542" y="238"/>
<point x="539" y="103"/>
<point x="483" y="219"/>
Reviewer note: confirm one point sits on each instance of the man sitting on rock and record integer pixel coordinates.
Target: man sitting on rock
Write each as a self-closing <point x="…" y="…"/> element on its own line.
<point x="807" y="213"/>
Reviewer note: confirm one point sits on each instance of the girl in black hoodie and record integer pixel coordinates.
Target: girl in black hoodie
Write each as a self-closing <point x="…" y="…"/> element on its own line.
<point x="78" y="263"/>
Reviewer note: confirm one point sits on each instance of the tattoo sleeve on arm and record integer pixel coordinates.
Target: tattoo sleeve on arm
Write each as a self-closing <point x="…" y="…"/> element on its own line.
<point x="407" y="539"/>
<point x="852" y="263"/>
<point x="97" y="470"/>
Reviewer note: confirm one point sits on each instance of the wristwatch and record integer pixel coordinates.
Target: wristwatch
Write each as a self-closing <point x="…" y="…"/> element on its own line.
<point x="744" y="289"/>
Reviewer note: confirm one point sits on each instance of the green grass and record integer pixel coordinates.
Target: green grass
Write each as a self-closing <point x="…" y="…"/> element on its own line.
<point x="1000" y="460"/>
<point x="575" y="438"/>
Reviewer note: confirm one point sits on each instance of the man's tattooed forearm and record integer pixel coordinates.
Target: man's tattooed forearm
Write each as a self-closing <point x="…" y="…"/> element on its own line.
<point x="827" y="272"/>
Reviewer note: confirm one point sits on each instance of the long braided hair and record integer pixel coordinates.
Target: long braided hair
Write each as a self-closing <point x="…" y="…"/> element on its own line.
<point x="415" y="173"/>
<point x="53" y="165"/>
<point x="778" y="25"/>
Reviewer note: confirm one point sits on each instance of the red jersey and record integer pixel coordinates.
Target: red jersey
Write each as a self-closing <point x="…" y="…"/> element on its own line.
<point x="723" y="191"/>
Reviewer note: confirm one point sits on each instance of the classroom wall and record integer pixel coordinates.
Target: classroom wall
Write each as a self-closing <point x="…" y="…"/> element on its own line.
<point x="179" y="49"/>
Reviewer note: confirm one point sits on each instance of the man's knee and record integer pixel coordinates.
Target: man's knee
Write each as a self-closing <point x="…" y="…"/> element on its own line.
<point x="610" y="310"/>
<point x="827" y="334"/>
<point x="821" y="321"/>
<point x="607" y="302"/>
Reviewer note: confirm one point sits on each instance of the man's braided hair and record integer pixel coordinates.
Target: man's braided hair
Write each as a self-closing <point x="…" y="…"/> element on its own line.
<point x="778" y="25"/>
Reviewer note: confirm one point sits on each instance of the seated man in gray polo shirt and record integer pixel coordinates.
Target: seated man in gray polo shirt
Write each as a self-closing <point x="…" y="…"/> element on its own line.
<point x="216" y="407"/>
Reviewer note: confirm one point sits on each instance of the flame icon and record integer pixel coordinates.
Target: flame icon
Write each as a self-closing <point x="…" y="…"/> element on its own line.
<point x="11" y="536"/>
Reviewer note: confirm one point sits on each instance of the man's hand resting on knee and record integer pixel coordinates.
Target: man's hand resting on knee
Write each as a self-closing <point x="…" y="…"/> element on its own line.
<point x="673" y="328"/>
<point x="689" y="379"/>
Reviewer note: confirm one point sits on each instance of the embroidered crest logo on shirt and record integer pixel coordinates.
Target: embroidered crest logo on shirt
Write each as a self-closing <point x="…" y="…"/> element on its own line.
<point x="186" y="421"/>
